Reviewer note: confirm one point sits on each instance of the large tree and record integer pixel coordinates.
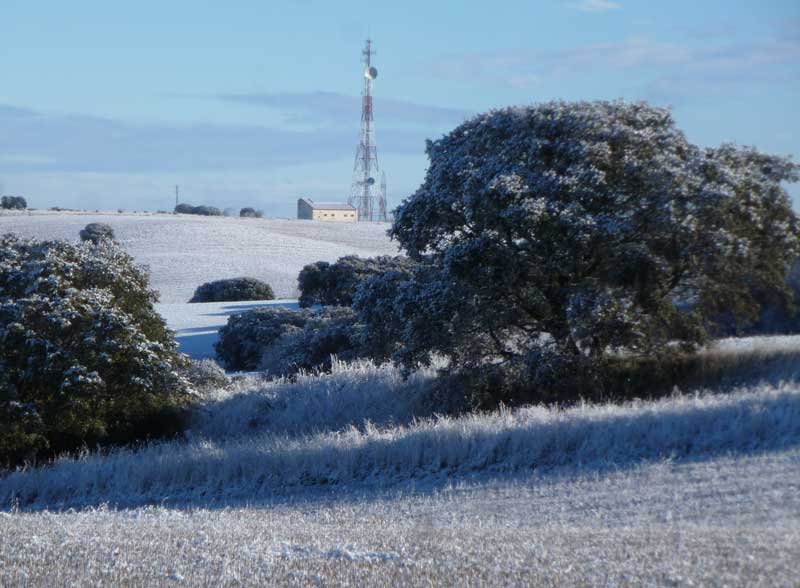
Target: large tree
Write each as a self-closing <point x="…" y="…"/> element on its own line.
<point x="565" y="233"/>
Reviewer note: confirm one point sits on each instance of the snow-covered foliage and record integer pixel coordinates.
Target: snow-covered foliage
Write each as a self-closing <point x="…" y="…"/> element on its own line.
<point x="282" y="341"/>
<point x="95" y="231"/>
<point x="243" y="340"/>
<point x="358" y="394"/>
<point x="183" y="251"/>
<point x="336" y="283"/>
<point x="233" y="290"/>
<point x="575" y="231"/>
<point x="205" y="374"/>
<point x="84" y="358"/>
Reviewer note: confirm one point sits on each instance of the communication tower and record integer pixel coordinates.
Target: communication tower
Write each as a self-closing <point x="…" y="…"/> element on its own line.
<point x="366" y="197"/>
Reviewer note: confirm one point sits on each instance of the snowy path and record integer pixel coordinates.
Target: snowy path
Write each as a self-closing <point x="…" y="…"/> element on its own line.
<point x="196" y="325"/>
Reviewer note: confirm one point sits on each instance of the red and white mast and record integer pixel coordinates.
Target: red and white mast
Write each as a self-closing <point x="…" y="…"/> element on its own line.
<point x="366" y="195"/>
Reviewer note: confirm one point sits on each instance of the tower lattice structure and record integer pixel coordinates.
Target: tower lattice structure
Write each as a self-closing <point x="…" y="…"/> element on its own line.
<point x="366" y="195"/>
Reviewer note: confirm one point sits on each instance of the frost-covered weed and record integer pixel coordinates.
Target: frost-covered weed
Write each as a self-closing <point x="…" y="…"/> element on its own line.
<point x="358" y="394"/>
<point x="205" y="375"/>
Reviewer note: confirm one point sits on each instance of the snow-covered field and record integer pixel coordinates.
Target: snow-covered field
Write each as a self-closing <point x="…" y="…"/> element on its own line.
<point x="184" y="251"/>
<point x="730" y="521"/>
<point x="352" y="479"/>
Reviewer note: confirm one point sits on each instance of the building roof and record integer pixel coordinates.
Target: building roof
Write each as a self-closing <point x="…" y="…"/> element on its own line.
<point x="328" y="205"/>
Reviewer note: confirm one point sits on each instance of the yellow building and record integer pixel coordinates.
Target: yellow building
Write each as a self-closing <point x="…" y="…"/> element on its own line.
<point x="325" y="211"/>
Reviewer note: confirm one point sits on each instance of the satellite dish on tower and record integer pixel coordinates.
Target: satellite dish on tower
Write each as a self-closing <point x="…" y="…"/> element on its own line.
<point x="370" y="181"/>
<point x="371" y="73"/>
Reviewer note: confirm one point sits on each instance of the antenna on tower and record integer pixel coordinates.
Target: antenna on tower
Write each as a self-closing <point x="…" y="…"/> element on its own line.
<point x="365" y="196"/>
<point x="176" y="195"/>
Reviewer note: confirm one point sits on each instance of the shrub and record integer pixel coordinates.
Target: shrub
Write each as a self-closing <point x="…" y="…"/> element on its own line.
<point x="282" y="341"/>
<point x="13" y="202"/>
<point x="84" y="357"/>
<point x="205" y="375"/>
<point x="328" y="333"/>
<point x="563" y="234"/>
<point x="336" y="283"/>
<point x="244" y="338"/>
<point x="95" y="231"/>
<point x="248" y="212"/>
<point x="233" y="290"/>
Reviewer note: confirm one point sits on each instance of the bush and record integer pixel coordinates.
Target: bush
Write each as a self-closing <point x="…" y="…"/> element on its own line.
<point x="205" y="375"/>
<point x="94" y="232"/>
<point x="327" y="333"/>
<point x="336" y="283"/>
<point x="282" y="341"/>
<point x="233" y="290"/>
<point x="84" y="357"/>
<point x="13" y="202"/>
<point x="248" y="212"/>
<point x="561" y="235"/>
<point x="244" y="338"/>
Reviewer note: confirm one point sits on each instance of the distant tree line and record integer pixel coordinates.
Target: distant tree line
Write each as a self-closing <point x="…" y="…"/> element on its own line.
<point x="203" y="210"/>
<point x="13" y="203"/>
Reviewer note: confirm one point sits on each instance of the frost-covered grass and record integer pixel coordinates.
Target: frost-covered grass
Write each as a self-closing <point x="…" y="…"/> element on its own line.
<point x="282" y="439"/>
<point x="348" y="479"/>
<point x="184" y="251"/>
<point x="358" y="395"/>
<point x="731" y="521"/>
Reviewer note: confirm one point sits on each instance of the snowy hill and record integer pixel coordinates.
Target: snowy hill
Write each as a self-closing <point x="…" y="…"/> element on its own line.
<point x="184" y="251"/>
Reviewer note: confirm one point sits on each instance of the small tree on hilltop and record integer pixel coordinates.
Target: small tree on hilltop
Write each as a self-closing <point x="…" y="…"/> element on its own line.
<point x="562" y="233"/>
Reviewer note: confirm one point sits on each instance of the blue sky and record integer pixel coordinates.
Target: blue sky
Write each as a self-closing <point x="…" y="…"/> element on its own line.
<point x="251" y="103"/>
